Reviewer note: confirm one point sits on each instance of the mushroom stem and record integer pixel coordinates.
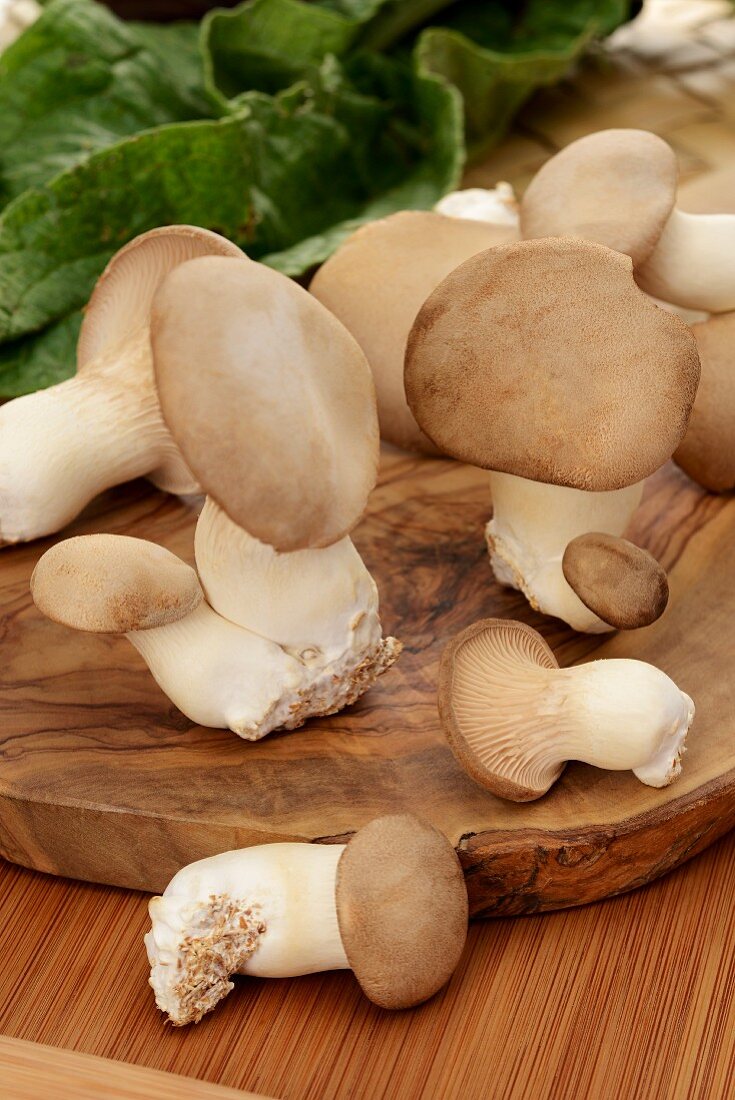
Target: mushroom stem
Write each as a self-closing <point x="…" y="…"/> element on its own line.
<point x="692" y="265"/>
<point x="269" y="911"/>
<point x="63" y="445"/>
<point x="318" y="603"/>
<point x="222" y="676"/>
<point x="618" y="714"/>
<point x="531" y="526"/>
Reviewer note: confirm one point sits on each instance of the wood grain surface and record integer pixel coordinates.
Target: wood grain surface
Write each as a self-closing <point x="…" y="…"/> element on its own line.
<point x="629" y="999"/>
<point x="31" y="1070"/>
<point x="101" y="778"/>
<point x="633" y="997"/>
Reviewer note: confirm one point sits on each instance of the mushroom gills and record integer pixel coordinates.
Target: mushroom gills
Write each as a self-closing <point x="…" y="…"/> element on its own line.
<point x="514" y="719"/>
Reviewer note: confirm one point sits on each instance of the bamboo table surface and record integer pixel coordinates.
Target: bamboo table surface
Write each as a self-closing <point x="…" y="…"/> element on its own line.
<point x="632" y="997"/>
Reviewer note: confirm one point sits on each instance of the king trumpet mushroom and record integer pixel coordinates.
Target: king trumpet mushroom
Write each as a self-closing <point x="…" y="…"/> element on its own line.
<point x="273" y="407"/>
<point x="513" y="718"/>
<point x="216" y="673"/>
<point x="288" y="468"/>
<point x="377" y="281"/>
<point x="391" y="905"/>
<point x="544" y="363"/>
<point x="707" y="452"/>
<point x="62" y="446"/>
<point x="618" y="187"/>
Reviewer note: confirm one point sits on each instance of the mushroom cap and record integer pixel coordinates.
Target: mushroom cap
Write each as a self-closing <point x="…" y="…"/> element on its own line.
<point x="377" y="281"/>
<point x="269" y="399"/>
<point x="707" y="452"/>
<point x="621" y="583"/>
<point x="616" y="187"/>
<point x="111" y="584"/>
<point x="482" y="695"/>
<point x="121" y="300"/>
<point x="543" y="359"/>
<point x="402" y="909"/>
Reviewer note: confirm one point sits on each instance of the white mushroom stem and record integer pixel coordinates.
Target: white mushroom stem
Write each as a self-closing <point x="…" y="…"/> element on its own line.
<point x="268" y="911"/>
<point x="531" y="527"/>
<point x="693" y="264"/>
<point x="319" y="604"/>
<point x="62" y="446"/>
<point x="615" y="714"/>
<point x="222" y="676"/>
<point x="497" y="205"/>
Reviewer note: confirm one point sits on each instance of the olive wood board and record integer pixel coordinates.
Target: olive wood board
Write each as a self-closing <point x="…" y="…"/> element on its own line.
<point x="103" y="779"/>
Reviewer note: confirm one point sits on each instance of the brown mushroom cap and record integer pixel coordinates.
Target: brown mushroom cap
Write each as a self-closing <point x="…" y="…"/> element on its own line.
<point x="110" y="584"/>
<point x="543" y="359"/>
<point x="402" y="909"/>
<point x="269" y="399"/>
<point x="482" y="697"/>
<point x="616" y="187"/>
<point x="707" y="452"/>
<point x="121" y="300"/>
<point x="621" y="583"/>
<point x="376" y="282"/>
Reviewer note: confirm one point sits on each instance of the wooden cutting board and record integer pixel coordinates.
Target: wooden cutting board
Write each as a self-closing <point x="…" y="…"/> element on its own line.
<point x="101" y="778"/>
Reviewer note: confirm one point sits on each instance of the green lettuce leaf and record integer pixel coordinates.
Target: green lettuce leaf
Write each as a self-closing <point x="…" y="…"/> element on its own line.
<point x="41" y="360"/>
<point x="497" y="57"/>
<point x="284" y="177"/>
<point x="79" y="79"/>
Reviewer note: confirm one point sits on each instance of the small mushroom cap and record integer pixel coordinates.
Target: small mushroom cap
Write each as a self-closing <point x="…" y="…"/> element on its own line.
<point x="482" y="708"/>
<point x="402" y="909"/>
<point x="269" y="399"/>
<point x="111" y="584"/>
<point x="707" y="452"/>
<point x="121" y="300"/>
<point x="543" y="359"/>
<point x="616" y="187"/>
<point x="621" y="583"/>
<point x="376" y="282"/>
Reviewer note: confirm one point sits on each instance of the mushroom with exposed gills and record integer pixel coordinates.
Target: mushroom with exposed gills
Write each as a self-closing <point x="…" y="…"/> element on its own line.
<point x="391" y="905"/>
<point x="216" y="673"/>
<point x="707" y="452"/>
<point x="273" y="406"/>
<point x="618" y="187"/>
<point x="544" y="363"/>
<point x="61" y="446"/>
<point x="513" y="718"/>
<point x="377" y="281"/>
<point x="621" y="583"/>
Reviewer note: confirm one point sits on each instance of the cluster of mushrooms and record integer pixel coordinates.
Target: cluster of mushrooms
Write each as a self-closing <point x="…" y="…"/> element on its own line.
<point x="540" y="343"/>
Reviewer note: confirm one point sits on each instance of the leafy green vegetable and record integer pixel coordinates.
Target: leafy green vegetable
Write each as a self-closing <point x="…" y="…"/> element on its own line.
<point x="283" y="125"/>
<point x="496" y="60"/>
<point x="34" y="362"/>
<point x="264" y="177"/>
<point x="79" y="79"/>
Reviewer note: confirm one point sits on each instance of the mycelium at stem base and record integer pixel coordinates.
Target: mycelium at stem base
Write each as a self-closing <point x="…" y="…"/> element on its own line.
<point x="267" y="911"/>
<point x="62" y="446"/>
<point x="532" y="524"/>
